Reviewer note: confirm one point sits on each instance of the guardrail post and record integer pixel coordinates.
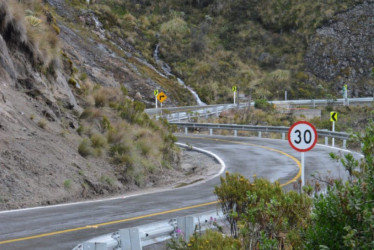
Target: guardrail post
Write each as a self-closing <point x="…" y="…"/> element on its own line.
<point x="259" y="134"/>
<point x="283" y="136"/>
<point x="313" y="103"/>
<point x="235" y="133"/>
<point x="206" y="113"/>
<point x="210" y="131"/>
<point x="94" y="246"/>
<point x="326" y="141"/>
<point x="186" y="130"/>
<point x="130" y="239"/>
<point x="186" y="225"/>
<point x="344" y="143"/>
<point x="178" y="116"/>
<point x="216" y="111"/>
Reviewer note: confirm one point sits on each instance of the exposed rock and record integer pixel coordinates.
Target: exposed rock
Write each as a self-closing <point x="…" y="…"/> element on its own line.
<point x="5" y="61"/>
<point x="343" y="51"/>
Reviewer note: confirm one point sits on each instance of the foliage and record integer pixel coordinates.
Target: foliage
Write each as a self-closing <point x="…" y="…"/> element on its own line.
<point x="257" y="45"/>
<point x="116" y="127"/>
<point x="209" y="240"/>
<point x="263" y="104"/>
<point x="343" y="217"/>
<point x="42" y="123"/>
<point x="67" y="184"/>
<point x="28" y="25"/>
<point x="85" y="148"/>
<point x="265" y="214"/>
<point x="232" y="194"/>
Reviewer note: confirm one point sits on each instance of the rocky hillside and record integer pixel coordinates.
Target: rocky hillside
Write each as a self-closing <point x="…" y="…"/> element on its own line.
<point x="342" y="51"/>
<point x="309" y="48"/>
<point x="72" y="124"/>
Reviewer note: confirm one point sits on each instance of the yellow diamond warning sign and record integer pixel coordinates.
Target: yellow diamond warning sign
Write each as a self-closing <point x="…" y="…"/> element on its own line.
<point x="161" y="97"/>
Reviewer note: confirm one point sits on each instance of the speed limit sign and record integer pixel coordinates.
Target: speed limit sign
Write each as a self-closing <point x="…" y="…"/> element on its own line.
<point x="302" y="136"/>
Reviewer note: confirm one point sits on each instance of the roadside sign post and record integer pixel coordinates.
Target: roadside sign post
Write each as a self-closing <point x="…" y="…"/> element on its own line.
<point x="234" y="89"/>
<point x="161" y="97"/>
<point x="155" y="92"/>
<point x="302" y="137"/>
<point x="333" y="119"/>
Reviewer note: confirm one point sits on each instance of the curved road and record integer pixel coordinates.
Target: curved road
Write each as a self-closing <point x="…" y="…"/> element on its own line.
<point x="64" y="226"/>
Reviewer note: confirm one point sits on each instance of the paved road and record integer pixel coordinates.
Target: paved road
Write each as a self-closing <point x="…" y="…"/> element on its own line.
<point x="63" y="227"/>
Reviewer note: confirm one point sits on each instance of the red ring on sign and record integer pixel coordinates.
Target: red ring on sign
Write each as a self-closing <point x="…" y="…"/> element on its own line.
<point x="315" y="138"/>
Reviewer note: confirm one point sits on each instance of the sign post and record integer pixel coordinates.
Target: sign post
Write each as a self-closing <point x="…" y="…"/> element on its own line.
<point x="155" y="92"/>
<point x="345" y="95"/>
<point x="333" y="119"/>
<point x="302" y="137"/>
<point x="161" y="97"/>
<point x="234" y="89"/>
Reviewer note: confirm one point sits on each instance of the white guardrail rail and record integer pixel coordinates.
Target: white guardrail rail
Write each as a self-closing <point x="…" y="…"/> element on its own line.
<point x="177" y="114"/>
<point x="259" y="129"/>
<point x="138" y="237"/>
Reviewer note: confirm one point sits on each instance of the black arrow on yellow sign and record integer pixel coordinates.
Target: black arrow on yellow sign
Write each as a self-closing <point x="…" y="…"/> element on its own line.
<point x="162" y="97"/>
<point x="333" y="116"/>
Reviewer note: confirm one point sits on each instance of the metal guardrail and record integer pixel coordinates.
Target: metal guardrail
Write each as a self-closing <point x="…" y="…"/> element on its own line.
<point x="260" y="129"/>
<point x="177" y="114"/>
<point x="149" y="234"/>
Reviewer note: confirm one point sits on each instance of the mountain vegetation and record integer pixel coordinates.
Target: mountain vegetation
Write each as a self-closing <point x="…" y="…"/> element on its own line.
<point x="260" y="46"/>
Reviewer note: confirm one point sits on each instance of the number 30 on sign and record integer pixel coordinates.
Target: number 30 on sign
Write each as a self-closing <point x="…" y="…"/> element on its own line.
<point x="302" y="136"/>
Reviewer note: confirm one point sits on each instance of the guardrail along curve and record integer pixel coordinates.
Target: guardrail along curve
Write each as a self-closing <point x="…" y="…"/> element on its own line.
<point x="260" y="129"/>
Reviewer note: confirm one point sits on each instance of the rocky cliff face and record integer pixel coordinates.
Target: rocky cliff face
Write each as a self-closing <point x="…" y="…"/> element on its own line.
<point x="343" y="50"/>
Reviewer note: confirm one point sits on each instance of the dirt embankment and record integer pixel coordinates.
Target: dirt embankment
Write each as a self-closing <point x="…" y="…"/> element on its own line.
<point x="40" y="110"/>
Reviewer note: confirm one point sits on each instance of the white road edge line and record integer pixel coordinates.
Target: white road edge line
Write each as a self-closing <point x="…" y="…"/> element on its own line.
<point x="221" y="162"/>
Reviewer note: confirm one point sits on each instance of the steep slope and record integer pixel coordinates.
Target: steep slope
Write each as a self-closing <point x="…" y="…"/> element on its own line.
<point x="71" y="111"/>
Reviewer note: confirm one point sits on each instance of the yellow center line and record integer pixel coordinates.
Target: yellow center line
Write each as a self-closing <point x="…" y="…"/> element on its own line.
<point x="106" y="223"/>
<point x="95" y="226"/>
<point x="297" y="176"/>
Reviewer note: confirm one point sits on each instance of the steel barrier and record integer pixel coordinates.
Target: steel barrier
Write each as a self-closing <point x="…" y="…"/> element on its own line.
<point x="259" y="129"/>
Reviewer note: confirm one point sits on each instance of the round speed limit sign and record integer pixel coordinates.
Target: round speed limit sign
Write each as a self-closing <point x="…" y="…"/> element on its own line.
<point x="302" y="136"/>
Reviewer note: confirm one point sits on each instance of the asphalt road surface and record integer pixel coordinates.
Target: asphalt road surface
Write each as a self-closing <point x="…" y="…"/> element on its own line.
<point x="64" y="226"/>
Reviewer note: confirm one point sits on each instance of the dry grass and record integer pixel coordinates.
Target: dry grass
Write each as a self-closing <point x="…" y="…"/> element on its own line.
<point x="27" y="26"/>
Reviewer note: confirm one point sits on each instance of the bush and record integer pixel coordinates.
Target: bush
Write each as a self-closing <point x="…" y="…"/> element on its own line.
<point x="266" y="213"/>
<point x="85" y="148"/>
<point x="42" y="123"/>
<point x="343" y="217"/>
<point x="263" y="104"/>
<point x="98" y="141"/>
<point x="67" y="184"/>
<point x="208" y="240"/>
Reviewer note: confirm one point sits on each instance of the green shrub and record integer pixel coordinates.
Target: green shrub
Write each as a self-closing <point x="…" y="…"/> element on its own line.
<point x="264" y="211"/>
<point x="263" y="104"/>
<point x="67" y="184"/>
<point x="85" y="148"/>
<point x="343" y="217"/>
<point x="107" y="180"/>
<point x="42" y="123"/>
<point x="98" y="141"/>
<point x="208" y="240"/>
